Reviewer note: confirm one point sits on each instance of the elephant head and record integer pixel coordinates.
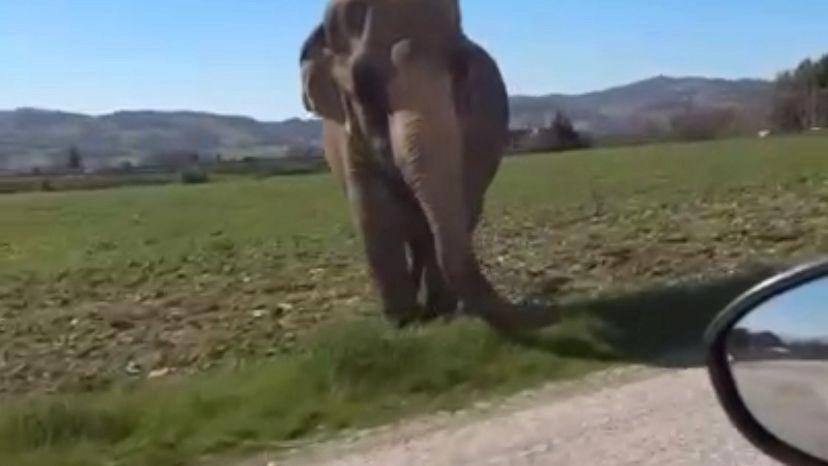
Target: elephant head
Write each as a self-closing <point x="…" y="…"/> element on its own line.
<point x="391" y="74"/>
<point x="372" y="59"/>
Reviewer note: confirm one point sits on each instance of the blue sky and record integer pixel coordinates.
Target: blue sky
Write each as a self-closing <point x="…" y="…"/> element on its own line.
<point x="800" y="312"/>
<point x="240" y="57"/>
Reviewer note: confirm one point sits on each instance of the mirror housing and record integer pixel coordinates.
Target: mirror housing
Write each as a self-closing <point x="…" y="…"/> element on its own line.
<point x="719" y="362"/>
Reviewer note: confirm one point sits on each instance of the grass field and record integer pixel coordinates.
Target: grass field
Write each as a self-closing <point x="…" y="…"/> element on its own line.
<point x="224" y="171"/>
<point x="218" y="293"/>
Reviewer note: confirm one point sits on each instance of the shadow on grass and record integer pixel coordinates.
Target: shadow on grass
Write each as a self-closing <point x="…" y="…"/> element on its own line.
<point x="662" y="326"/>
<point x="354" y="374"/>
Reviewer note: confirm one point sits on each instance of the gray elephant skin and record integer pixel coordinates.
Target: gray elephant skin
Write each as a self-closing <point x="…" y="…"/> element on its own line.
<point x="415" y="122"/>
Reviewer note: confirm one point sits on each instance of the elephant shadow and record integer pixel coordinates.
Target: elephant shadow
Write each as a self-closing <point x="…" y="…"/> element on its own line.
<point x="661" y="326"/>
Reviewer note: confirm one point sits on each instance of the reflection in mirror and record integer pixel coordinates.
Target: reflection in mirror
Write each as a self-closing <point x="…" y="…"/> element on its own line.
<point x="778" y="355"/>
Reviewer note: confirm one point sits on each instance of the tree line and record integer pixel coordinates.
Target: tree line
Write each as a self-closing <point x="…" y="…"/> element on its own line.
<point x="801" y="97"/>
<point x="559" y="134"/>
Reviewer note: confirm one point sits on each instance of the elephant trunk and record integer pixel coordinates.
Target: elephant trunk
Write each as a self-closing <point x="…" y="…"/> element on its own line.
<point x="426" y="140"/>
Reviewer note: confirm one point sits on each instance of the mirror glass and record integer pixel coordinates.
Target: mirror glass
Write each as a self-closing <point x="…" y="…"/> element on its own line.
<point x="778" y="355"/>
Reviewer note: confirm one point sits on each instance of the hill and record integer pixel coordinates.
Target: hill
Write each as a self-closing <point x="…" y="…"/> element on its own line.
<point x="41" y="137"/>
<point x="643" y="105"/>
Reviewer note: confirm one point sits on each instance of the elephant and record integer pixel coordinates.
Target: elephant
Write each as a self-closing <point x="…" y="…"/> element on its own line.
<point x="415" y="122"/>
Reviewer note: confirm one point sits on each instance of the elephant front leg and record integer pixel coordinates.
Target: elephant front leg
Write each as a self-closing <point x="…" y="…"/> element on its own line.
<point x="442" y="249"/>
<point x="379" y="220"/>
<point x="438" y="298"/>
<point x="428" y="153"/>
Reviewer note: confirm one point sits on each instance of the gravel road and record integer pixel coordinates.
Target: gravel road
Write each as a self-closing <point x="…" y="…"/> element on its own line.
<point x="664" y="419"/>
<point x="790" y="397"/>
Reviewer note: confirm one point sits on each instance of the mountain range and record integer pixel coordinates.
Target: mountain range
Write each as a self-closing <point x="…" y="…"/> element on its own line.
<point x="30" y="137"/>
<point x="629" y="109"/>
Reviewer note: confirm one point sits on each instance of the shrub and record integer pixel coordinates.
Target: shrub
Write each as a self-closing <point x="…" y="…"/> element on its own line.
<point x="194" y="175"/>
<point x="46" y="185"/>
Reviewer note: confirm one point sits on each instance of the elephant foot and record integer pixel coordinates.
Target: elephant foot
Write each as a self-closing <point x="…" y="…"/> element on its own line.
<point x="401" y="324"/>
<point x="403" y="317"/>
<point x="440" y="305"/>
<point x="444" y="308"/>
<point x="422" y="314"/>
<point x="422" y="319"/>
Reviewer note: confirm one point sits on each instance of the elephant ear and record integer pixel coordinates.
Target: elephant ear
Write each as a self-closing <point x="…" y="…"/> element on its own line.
<point x="479" y="91"/>
<point x="466" y="68"/>
<point x="320" y="94"/>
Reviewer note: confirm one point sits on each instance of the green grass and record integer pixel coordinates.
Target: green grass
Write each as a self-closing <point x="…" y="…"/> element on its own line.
<point x="71" y="230"/>
<point x="87" y="229"/>
<point x="252" y="294"/>
<point x="351" y="374"/>
<point x="356" y="374"/>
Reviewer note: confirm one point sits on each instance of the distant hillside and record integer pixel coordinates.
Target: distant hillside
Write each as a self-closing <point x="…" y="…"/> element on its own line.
<point x="635" y="107"/>
<point x="41" y="137"/>
<point x="36" y="137"/>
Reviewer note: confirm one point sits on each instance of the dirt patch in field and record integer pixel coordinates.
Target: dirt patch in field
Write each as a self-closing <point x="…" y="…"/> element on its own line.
<point x="87" y="329"/>
<point x="590" y="251"/>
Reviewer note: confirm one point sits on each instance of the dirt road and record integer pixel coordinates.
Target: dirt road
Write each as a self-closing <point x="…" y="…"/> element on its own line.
<point x="666" y="419"/>
<point x="790" y="397"/>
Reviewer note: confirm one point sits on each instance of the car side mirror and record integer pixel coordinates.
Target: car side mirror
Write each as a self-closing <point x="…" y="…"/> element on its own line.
<point x="767" y="356"/>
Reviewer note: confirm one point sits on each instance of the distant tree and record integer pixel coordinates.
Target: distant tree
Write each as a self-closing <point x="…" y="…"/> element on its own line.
<point x="766" y="340"/>
<point x="75" y="159"/>
<point x="788" y="113"/>
<point x="821" y="69"/>
<point x="702" y="123"/>
<point x="558" y="134"/>
<point x="739" y="338"/>
<point x="801" y="96"/>
<point x="193" y="172"/>
<point x="194" y="175"/>
<point x="563" y="128"/>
